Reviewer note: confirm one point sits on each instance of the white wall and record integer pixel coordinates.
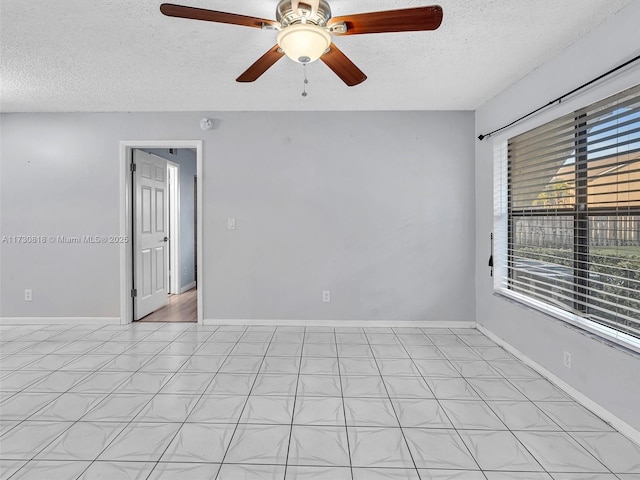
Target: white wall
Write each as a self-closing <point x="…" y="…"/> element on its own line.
<point x="608" y="375"/>
<point x="375" y="206"/>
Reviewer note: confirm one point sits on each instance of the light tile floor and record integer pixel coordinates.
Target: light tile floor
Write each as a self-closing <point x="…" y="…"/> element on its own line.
<point x="182" y="401"/>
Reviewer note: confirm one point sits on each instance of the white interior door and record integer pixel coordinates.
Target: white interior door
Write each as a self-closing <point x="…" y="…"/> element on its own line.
<point x="151" y="238"/>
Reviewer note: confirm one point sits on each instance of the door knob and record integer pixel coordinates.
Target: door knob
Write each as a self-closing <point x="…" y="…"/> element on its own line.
<point x="166" y="239"/>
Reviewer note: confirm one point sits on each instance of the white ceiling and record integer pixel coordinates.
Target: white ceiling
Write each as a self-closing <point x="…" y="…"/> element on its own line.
<point x="123" y="55"/>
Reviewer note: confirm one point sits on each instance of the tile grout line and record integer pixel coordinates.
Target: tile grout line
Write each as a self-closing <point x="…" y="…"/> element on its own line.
<point x="535" y="403"/>
<point x="344" y="409"/>
<point x="204" y="390"/>
<point x="295" y="400"/>
<point x="248" y="395"/>
<point x="89" y="373"/>
<point x="378" y="359"/>
<point x="72" y="423"/>
<point x="48" y="339"/>
<point x="375" y="359"/>
<point x="509" y="429"/>
<point x="111" y="392"/>
<point x="484" y="401"/>
<point x="43" y="355"/>
<point x="199" y="397"/>
<point x="544" y="470"/>
<point x="143" y="406"/>
<point x="437" y="400"/>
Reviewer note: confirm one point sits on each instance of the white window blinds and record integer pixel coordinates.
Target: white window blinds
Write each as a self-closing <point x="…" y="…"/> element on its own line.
<point x="573" y="213"/>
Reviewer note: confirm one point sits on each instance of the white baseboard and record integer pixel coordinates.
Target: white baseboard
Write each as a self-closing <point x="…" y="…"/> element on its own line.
<point x="188" y="287"/>
<point x="617" y="423"/>
<point x="59" y="320"/>
<point x="339" y="323"/>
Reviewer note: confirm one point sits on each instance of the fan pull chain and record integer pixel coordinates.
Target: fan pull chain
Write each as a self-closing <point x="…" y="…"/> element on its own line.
<point x="306" y="80"/>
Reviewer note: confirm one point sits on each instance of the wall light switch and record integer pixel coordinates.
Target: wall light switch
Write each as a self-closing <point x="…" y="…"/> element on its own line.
<point x="231" y="223"/>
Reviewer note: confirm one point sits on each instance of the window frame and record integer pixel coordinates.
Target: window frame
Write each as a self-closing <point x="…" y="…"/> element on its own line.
<point x="503" y="226"/>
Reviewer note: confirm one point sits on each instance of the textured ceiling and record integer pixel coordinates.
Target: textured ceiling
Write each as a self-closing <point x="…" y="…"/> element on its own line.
<point x="123" y="55"/>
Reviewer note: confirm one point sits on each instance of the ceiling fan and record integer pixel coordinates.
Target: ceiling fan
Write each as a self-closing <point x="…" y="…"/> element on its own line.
<point x="305" y="28"/>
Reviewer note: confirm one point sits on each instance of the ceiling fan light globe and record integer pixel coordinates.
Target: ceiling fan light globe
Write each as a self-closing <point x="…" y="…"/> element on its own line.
<point x="304" y="43"/>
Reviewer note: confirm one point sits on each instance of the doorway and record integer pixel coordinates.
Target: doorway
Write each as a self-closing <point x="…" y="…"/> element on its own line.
<point x="170" y="214"/>
<point x="173" y="277"/>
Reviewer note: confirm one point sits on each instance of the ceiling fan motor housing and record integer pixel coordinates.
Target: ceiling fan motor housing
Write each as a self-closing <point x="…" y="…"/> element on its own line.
<point x="286" y="15"/>
<point x="303" y="36"/>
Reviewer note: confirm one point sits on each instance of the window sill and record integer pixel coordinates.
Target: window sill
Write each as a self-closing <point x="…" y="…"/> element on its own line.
<point x="602" y="332"/>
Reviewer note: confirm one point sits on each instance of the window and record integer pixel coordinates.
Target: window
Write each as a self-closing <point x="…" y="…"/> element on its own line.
<point x="571" y="214"/>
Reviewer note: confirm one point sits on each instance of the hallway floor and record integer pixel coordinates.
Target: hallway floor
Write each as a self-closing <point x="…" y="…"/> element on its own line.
<point x="183" y="401"/>
<point x="181" y="307"/>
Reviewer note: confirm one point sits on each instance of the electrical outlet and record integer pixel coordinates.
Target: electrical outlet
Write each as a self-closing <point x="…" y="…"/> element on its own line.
<point x="326" y="296"/>
<point x="567" y="359"/>
<point x="28" y="295"/>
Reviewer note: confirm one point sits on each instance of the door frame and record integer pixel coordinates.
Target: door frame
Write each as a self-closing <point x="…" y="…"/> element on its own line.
<point x="174" y="229"/>
<point x="126" y="203"/>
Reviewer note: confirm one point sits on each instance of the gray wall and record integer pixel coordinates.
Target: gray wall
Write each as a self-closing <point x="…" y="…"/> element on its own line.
<point x="607" y="375"/>
<point x="375" y="206"/>
<point x="186" y="158"/>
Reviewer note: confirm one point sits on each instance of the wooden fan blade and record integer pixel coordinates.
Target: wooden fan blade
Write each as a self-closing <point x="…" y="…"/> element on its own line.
<point x="405" y="20"/>
<point x="343" y="67"/>
<point x="263" y="64"/>
<point x="193" y="13"/>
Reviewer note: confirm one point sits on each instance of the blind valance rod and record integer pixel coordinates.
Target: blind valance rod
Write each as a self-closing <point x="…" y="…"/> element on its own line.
<point x="559" y="99"/>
